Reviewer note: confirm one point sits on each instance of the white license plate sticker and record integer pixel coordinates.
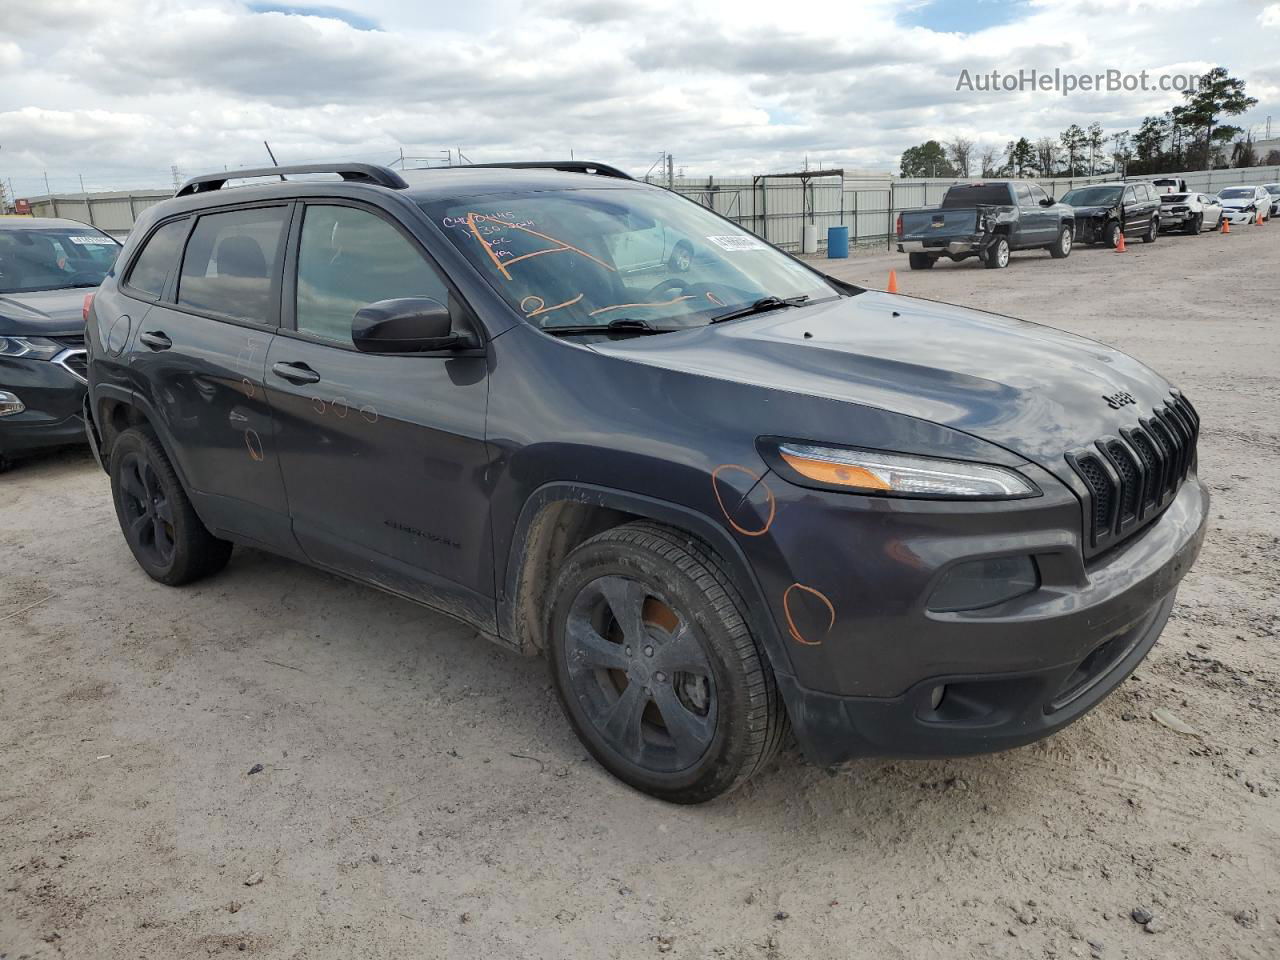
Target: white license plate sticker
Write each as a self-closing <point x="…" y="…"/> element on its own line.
<point x="736" y="243"/>
<point x="92" y="241"/>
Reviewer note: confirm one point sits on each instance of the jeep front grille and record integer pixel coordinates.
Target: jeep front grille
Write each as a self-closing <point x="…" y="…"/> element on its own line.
<point x="1132" y="477"/>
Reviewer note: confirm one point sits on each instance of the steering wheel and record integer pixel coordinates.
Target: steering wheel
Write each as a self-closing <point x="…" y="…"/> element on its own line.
<point x="672" y="285"/>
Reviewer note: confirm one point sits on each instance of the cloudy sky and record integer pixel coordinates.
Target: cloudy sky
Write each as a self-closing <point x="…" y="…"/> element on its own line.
<point x="120" y="90"/>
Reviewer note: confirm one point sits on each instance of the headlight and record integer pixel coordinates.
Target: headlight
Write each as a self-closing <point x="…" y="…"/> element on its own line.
<point x="871" y="471"/>
<point x="36" y="348"/>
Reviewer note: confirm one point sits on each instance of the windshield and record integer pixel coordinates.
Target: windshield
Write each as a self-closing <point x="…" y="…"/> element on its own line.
<point x="57" y="258"/>
<point x="1232" y="193"/>
<point x="1272" y="188"/>
<point x="591" y="257"/>
<point x="1092" y="196"/>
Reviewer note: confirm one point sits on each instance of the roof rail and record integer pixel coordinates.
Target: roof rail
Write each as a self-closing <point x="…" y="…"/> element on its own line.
<point x="357" y="172"/>
<point x="565" y="166"/>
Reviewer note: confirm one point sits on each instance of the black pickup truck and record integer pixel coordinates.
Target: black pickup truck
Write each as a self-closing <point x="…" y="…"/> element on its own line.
<point x="986" y="220"/>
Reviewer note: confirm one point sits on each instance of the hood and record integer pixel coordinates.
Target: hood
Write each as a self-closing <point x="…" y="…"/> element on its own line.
<point x="43" y="313"/>
<point x="1238" y="203"/>
<point x="1096" y="210"/>
<point x="1033" y="390"/>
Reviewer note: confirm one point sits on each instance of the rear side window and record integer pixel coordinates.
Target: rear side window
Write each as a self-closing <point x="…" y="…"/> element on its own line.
<point x="349" y="259"/>
<point x="158" y="258"/>
<point x="971" y="195"/>
<point x="229" y="265"/>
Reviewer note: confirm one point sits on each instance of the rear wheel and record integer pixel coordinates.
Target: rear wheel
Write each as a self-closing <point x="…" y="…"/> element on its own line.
<point x="157" y="520"/>
<point x="920" y="261"/>
<point x="681" y="257"/>
<point x="1197" y="224"/>
<point x="1062" y="248"/>
<point x="656" y="666"/>
<point x="997" y="257"/>
<point x="1153" y="231"/>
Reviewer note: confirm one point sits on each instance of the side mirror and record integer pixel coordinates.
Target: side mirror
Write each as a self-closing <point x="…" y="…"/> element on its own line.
<point x="1048" y="202"/>
<point x="408" y="325"/>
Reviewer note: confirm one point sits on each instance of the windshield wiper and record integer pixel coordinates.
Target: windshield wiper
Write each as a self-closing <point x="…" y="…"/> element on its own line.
<point x="621" y="325"/>
<point x="763" y="305"/>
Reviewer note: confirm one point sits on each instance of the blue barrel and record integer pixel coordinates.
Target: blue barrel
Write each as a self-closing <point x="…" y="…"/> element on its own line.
<point x="837" y="243"/>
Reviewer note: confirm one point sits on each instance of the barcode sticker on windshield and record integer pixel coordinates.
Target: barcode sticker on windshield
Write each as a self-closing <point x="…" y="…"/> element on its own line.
<point x="737" y="243"/>
<point x="91" y="241"/>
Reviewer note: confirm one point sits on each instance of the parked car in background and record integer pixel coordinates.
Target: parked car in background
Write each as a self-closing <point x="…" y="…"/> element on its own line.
<point x="716" y="501"/>
<point x="1245" y="204"/>
<point x="46" y="267"/>
<point x="1104" y="211"/>
<point x="1163" y="185"/>
<point x="988" y="221"/>
<point x="1274" y="190"/>
<point x="1189" y="212"/>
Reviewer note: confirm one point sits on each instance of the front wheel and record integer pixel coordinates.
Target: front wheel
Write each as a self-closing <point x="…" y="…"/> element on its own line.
<point x="1062" y="248"/>
<point x="157" y="520"/>
<point x="1113" y="235"/>
<point x="656" y="667"/>
<point x="997" y="257"/>
<point x="920" y="261"/>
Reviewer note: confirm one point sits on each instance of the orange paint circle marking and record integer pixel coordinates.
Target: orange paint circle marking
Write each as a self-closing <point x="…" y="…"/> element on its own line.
<point x="532" y="309"/>
<point x="318" y="405"/>
<point x="755" y="478"/>
<point x="254" y="443"/>
<point x="369" y="413"/>
<point x="249" y="391"/>
<point x="791" y="625"/>
<point x="339" y="406"/>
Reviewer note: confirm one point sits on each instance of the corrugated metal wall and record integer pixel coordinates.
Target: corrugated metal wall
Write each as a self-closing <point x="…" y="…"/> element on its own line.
<point x="778" y="209"/>
<point x="112" y="213"/>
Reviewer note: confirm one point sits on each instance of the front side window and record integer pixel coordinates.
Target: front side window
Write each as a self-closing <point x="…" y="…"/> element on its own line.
<point x="159" y="257"/>
<point x="1130" y="195"/>
<point x="349" y="259"/>
<point x="594" y="256"/>
<point x="229" y="264"/>
<point x="58" y="258"/>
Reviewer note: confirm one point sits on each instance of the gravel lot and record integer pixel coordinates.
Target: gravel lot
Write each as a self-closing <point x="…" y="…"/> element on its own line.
<point x="421" y="795"/>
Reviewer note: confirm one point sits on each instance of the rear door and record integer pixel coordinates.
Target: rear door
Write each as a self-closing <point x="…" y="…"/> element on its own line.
<point x="1135" y="217"/>
<point x="197" y="361"/>
<point x="383" y="456"/>
<point x="1031" y="220"/>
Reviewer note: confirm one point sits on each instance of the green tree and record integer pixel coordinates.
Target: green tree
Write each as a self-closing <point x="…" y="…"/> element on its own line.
<point x="1020" y="155"/>
<point x="929" y="159"/>
<point x="1148" y="143"/>
<point x="1073" y="141"/>
<point x="1217" y="95"/>
<point x="1121" y="151"/>
<point x="1094" y="137"/>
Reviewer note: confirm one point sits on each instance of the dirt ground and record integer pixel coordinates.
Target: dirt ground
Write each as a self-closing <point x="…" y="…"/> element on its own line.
<point x="421" y="795"/>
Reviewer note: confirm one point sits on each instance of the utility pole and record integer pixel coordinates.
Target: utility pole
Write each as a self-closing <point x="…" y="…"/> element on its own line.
<point x="671" y="172"/>
<point x="177" y="176"/>
<point x="47" y="189"/>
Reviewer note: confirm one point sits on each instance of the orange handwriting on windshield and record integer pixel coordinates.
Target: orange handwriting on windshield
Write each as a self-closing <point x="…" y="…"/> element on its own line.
<point x="621" y="306"/>
<point x="502" y="265"/>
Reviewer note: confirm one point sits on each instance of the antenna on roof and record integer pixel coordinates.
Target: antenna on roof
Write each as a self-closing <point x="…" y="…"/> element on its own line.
<point x="273" y="158"/>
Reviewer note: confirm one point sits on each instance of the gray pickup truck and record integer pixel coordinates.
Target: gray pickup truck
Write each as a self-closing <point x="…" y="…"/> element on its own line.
<point x="987" y="221"/>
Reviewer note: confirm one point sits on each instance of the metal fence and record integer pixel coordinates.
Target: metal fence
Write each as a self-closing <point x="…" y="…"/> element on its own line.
<point x="778" y="209"/>
<point x="113" y="212"/>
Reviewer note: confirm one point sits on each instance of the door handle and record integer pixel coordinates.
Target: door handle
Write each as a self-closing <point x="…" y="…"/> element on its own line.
<point x="156" y="340"/>
<point x="295" y="372"/>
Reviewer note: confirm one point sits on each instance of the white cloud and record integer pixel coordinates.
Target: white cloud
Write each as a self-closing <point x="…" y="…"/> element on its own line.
<point x="1270" y="15"/>
<point x="727" y="86"/>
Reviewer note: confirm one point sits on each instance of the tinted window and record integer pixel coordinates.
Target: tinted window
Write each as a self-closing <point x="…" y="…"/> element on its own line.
<point x="158" y="258"/>
<point x="228" y="265"/>
<point x="973" y="194"/>
<point x="349" y="259"/>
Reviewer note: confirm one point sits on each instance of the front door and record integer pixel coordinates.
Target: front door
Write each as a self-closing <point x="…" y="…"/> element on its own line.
<point x="384" y="458"/>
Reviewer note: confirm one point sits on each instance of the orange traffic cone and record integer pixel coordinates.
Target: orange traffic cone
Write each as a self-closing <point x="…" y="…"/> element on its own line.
<point x="1259" y="219"/>
<point x="1120" y="243"/>
<point x="893" y="282"/>
<point x="1226" y="226"/>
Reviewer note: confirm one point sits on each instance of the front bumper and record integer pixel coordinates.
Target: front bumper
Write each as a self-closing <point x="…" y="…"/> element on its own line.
<point x="1010" y="674"/>
<point x="52" y="395"/>
<point x="1238" y="216"/>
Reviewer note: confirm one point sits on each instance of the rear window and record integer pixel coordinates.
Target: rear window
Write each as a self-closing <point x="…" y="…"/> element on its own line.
<point x="974" y="194"/>
<point x="229" y="264"/>
<point x="1173" y="197"/>
<point x="159" y="256"/>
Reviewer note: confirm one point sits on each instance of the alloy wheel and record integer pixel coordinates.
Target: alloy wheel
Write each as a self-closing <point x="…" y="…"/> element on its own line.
<point x="148" y="512"/>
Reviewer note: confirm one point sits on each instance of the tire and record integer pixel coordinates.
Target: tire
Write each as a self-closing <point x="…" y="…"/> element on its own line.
<point x="997" y="257"/>
<point x="1196" y="225"/>
<point x="920" y="261"/>
<point x="1153" y="231"/>
<point x="685" y="613"/>
<point x="157" y="520"/>
<point x="1113" y="235"/>
<point x="681" y="257"/>
<point x="1062" y="248"/>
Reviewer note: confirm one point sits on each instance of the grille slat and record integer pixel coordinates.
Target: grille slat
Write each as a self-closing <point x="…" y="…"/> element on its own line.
<point x="1130" y="479"/>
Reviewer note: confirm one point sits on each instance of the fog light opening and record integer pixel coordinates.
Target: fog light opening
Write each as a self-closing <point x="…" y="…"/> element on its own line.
<point x="937" y="695"/>
<point x="10" y="404"/>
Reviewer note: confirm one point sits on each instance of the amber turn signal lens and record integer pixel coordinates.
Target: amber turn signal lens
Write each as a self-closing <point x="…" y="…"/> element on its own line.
<point x="839" y="474"/>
